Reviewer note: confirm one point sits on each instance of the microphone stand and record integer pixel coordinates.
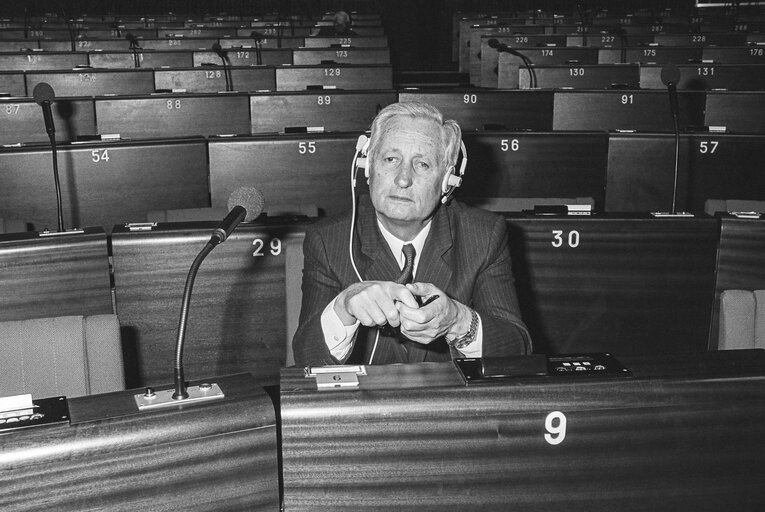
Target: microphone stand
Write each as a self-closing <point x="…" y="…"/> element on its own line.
<point x="235" y="216"/>
<point x="180" y="382"/>
<point x="676" y="121"/>
<point x="57" y="181"/>
<point x="134" y="48"/>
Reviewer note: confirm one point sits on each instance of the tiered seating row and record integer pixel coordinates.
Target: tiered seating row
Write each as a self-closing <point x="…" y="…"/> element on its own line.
<point x="175" y="115"/>
<point x="108" y="183"/>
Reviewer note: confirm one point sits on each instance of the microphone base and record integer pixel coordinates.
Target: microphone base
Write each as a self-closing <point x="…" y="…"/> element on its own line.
<point x="672" y="214"/>
<point x="151" y="399"/>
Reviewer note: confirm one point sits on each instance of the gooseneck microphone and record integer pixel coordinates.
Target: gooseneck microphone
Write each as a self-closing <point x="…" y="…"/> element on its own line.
<point x="670" y="76"/>
<point x="133" y="40"/>
<point x="219" y="235"/>
<point x="257" y="37"/>
<point x="502" y="47"/>
<point x="44" y="96"/>
<point x="223" y="54"/>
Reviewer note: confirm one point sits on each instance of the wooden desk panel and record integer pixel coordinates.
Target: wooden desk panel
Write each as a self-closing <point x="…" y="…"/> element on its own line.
<point x="582" y="76"/>
<point x="504" y="71"/>
<point x="174" y="115"/>
<point x="218" y="455"/>
<point x="245" y="57"/>
<point x="625" y="110"/>
<point x="213" y="79"/>
<point x="523" y="164"/>
<point x="237" y="317"/>
<point x="41" y="60"/>
<point x="22" y="120"/>
<point x="103" y="184"/>
<point x="408" y="439"/>
<point x="248" y="43"/>
<point x="477" y="109"/>
<point x="711" y="166"/>
<point x="94" y="82"/>
<point x="54" y="275"/>
<point x="333" y="110"/>
<point x="650" y="54"/>
<point x="288" y="169"/>
<point x="619" y="284"/>
<point x="345" y="55"/>
<point x="299" y="78"/>
<point x="352" y="41"/>
<point x="706" y="76"/>
<point x="146" y="59"/>
<point x="13" y="83"/>
<point x="737" y="111"/>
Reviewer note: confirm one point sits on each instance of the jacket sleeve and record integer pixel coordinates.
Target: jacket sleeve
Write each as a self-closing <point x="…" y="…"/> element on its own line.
<point x="320" y="286"/>
<point x="494" y="298"/>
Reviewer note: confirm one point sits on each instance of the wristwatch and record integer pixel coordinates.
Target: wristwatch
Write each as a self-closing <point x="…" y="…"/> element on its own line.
<point x="469" y="337"/>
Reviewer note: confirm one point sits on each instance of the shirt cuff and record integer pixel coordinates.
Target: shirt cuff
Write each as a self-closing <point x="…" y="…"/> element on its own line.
<point x="475" y="349"/>
<point x="337" y="336"/>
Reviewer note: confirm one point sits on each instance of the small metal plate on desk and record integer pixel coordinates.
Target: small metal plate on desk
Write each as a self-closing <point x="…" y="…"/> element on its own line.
<point x="45" y="411"/>
<point x="336" y="376"/>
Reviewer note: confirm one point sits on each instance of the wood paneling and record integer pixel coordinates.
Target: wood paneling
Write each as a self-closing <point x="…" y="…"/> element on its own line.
<point x="607" y="283"/>
<point x="684" y="440"/>
<point x="217" y="455"/>
<point x="54" y="276"/>
<point x="237" y="317"/>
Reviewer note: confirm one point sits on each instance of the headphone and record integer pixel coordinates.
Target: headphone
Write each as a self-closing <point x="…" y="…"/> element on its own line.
<point x="451" y="181"/>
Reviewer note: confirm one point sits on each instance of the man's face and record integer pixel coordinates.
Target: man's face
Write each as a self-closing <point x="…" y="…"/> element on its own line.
<point x="406" y="173"/>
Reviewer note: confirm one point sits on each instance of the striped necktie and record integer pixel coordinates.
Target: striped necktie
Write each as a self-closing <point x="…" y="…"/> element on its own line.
<point x="407" y="273"/>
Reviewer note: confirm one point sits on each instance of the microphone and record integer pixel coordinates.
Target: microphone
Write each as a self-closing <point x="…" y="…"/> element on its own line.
<point x="249" y="197"/>
<point x="219" y="235"/>
<point x="670" y="76"/>
<point x="223" y="54"/>
<point x="133" y="40"/>
<point x="232" y="220"/>
<point x="44" y="96"/>
<point x="502" y="47"/>
<point x="257" y="37"/>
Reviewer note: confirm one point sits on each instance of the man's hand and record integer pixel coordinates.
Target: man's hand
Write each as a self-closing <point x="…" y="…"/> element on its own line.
<point x="442" y="316"/>
<point x="373" y="303"/>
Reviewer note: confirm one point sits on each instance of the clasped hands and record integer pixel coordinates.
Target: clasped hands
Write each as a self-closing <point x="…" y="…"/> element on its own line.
<point x="377" y="303"/>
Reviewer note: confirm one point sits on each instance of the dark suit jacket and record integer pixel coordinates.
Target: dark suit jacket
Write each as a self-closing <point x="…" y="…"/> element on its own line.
<point x="466" y="255"/>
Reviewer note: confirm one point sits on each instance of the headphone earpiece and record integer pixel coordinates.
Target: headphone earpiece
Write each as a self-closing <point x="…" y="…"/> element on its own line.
<point x="362" y="148"/>
<point x="453" y="178"/>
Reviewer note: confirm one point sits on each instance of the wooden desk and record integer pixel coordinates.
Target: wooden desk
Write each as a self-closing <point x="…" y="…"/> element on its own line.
<point x="215" y="455"/>
<point x="238" y="313"/>
<point x="682" y="434"/>
<point x="44" y="276"/>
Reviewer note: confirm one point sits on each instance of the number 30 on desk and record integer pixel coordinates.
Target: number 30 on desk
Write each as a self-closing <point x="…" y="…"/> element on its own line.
<point x="555" y="424"/>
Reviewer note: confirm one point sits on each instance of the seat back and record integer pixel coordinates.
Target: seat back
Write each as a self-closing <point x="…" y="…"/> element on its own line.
<point x="67" y="355"/>
<point x="742" y="319"/>
<point x="293" y="253"/>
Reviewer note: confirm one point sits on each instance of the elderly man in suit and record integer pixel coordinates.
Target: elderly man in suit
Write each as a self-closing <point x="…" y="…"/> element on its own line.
<point x="425" y="278"/>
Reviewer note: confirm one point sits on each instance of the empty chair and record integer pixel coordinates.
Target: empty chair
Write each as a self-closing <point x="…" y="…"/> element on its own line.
<point x="742" y="319"/>
<point x="67" y="355"/>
